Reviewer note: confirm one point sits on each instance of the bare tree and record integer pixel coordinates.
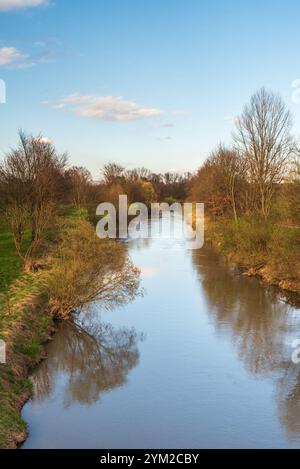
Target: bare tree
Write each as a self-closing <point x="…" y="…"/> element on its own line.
<point x="291" y="192"/>
<point x="112" y="173"/>
<point x="220" y="182"/>
<point x="263" y="138"/>
<point x="31" y="178"/>
<point x="229" y="164"/>
<point x="138" y="173"/>
<point x="80" y="180"/>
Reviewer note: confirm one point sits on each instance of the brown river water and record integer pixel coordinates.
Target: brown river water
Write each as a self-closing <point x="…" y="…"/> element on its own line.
<point x="202" y="360"/>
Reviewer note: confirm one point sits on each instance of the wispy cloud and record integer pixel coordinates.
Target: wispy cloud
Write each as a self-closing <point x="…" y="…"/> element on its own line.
<point x="231" y="119"/>
<point x="49" y="42"/>
<point x="167" y="125"/>
<point x="114" y="108"/>
<point x="6" y="5"/>
<point x="12" y="57"/>
<point x="162" y="139"/>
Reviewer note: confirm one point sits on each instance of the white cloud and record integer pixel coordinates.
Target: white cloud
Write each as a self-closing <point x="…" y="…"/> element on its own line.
<point x="6" y="5"/>
<point x="9" y="55"/>
<point x="13" y="58"/>
<point x="49" y="42"/>
<point x="44" y="140"/>
<point x="58" y="107"/>
<point x="113" y="108"/>
<point x="231" y="119"/>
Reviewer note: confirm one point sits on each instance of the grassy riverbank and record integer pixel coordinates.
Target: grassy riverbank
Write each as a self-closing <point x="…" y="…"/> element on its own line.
<point x="25" y="325"/>
<point x="264" y="249"/>
<point x="75" y="268"/>
<point x="10" y="265"/>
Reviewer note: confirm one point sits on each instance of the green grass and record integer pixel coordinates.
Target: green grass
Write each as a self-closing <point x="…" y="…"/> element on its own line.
<point x="25" y="330"/>
<point x="12" y="389"/>
<point x="10" y="263"/>
<point x="25" y="323"/>
<point x="32" y="349"/>
<point x="10" y="421"/>
<point x="68" y="212"/>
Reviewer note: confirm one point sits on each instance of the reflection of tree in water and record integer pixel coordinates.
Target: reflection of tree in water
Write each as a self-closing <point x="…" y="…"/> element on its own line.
<point x="262" y="327"/>
<point x="288" y="397"/>
<point x="257" y="319"/>
<point x="96" y="357"/>
<point x="139" y="244"/>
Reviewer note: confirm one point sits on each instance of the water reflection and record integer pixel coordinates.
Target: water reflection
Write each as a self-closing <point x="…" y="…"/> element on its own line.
<point x="288" y="399"/>
<point x="262" y="325"/>
<point x="141" y="243"/>
<point x="215" y="372"/>
<point x="95" y="357"/>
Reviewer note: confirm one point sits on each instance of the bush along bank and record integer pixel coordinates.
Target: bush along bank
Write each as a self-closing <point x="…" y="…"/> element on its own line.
<point x="261" y="248"/>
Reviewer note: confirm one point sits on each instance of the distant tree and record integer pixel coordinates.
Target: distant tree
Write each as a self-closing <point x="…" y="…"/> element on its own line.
<point x="138" y="173"/>
<point x="143" y="186"/>
<point x="208" y="186"/>
<point x="113" y="192"/>
<point x="140" y="190"/>
<point x="219" y="183"/>
<point x="231" y="169"/>
<point x="79" y="181"/>
<point x="113" y="173"/>
<point x="171" y="185"/>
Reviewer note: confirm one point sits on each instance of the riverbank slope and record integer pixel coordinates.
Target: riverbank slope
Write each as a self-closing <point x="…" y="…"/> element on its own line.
<point x="265" y="250"/>
<point x="25" y="327"/>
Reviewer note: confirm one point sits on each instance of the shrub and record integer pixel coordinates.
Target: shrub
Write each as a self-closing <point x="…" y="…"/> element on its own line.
<point x="87" y="269"/>
<point x="248" y="240"/>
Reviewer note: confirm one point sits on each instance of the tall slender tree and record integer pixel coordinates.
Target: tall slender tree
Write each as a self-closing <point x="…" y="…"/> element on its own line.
<point x="263" y="138"/>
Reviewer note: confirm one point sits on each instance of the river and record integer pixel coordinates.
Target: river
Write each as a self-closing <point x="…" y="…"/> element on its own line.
<point x="202" y="360"/>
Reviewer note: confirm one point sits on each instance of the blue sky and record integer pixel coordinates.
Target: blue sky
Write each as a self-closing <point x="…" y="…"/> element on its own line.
<point x="144" y="83"/>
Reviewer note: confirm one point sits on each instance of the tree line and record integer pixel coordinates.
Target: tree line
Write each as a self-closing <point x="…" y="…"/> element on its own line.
<point x="259" y="173"/>
<point x="251" y="191"/>
<point x="35" y="181"/>
<point x="257" y="176"/>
